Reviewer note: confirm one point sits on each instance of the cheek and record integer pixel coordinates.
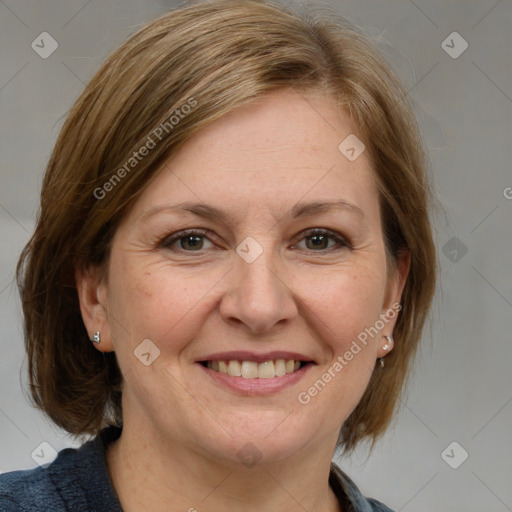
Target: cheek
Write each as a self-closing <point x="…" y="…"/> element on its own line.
<point x="345" y="306"/>
<point x="349" y="304"/>
<point x="154" y="301"/>
<point x="343" y="302"/>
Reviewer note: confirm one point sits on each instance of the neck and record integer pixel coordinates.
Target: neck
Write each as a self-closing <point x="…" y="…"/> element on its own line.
<point x="148" y="475"/>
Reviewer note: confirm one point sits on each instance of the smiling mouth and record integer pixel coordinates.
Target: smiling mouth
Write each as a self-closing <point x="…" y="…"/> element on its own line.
<point x="254" y="370"/>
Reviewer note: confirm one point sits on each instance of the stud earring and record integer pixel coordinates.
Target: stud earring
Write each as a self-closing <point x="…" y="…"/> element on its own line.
<point x="96" y="338"/>
<point x="387" y="346"/>
<point x="389" y="343"/>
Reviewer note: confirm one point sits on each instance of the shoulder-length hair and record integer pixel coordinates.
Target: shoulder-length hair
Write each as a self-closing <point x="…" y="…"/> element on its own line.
<point x="176" y="75"/>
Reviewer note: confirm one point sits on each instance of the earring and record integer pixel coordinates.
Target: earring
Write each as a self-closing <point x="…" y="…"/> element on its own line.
<point x="389" y="344"/>
<point x="96" y="338"/>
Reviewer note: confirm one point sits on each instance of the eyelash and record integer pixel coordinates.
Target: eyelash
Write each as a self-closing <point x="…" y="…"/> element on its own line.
<point x="332" y="235"/>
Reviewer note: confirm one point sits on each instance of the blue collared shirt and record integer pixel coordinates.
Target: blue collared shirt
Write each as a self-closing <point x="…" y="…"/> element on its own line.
<point x="78" y="480"/>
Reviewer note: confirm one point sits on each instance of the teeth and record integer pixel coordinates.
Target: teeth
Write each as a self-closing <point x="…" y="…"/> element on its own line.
<point x="249" y="370"/>
<point x="234" y="369"/>
<point x="253" y="370"/>
<point x="266" y="370"/>
<point x="280" y="367"/>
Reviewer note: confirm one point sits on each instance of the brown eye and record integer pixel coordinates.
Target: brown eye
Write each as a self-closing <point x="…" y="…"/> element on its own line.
<point x="317" y="240"/>
<point x="192" y="242"/>
<point x="187" y="241"/>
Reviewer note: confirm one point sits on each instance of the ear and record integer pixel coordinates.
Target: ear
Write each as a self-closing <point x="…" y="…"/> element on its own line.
<point x="394" y="289"/>
<point x="397" y="278"/>
<point x="92" y="295"/>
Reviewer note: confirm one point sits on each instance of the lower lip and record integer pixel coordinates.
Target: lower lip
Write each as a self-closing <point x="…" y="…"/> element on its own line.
<point x="253" y="387"/>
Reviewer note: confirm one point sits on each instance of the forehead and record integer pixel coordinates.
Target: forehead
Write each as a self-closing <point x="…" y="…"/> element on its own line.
<point x="269" y="155"/>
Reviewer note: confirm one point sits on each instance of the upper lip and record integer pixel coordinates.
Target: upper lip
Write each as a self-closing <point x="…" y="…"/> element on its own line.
<point x="246" y="355"/>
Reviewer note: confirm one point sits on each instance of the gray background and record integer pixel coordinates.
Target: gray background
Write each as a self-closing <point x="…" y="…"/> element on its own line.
<point x="461" y="388"/>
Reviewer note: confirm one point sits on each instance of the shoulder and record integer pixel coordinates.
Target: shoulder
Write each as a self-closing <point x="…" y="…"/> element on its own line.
<point x="358" y="502"/>
<point x="76" y="480"/>
<point x="40" y="488"/>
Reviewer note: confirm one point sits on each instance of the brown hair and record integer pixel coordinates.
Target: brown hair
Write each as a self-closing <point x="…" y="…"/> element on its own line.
<point x="214" y="56"/>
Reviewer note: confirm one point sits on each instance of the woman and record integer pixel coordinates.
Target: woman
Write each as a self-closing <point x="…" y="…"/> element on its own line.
<point x="231" y="269"/>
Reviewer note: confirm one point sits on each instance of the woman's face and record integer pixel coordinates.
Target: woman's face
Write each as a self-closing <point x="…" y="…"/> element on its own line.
<point x="262" y="273"/>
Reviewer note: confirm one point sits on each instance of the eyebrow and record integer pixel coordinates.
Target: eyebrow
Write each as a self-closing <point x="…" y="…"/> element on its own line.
<point x="206" y="211"/>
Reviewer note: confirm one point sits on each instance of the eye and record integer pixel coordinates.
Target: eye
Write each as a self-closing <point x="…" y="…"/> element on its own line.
<point x="191" y="240"/>
<point x="317" y="240"/>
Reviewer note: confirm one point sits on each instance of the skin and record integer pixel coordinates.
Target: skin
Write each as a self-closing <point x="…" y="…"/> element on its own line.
<point x="178" y="449"/>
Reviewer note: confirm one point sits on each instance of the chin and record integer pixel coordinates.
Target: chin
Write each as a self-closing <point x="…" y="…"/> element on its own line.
<point x="254" y="442"/>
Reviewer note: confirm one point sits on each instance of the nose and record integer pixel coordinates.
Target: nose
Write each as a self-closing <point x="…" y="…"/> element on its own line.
<point x="258" y="296"/>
